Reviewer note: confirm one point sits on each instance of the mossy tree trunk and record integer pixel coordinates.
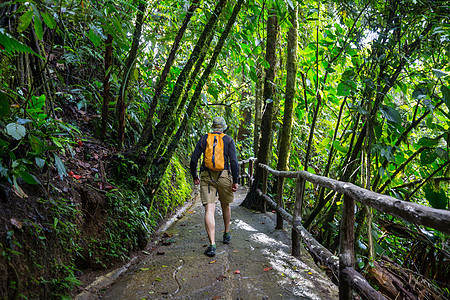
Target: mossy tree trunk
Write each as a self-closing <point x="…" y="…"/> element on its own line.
<point x="106" y="84"/>
<point x="252" y="200"/>
<point x="284" y="146"/>
<point x="258" y="111"/>
<point x="147" y="134"/>
<point x="121" y="106"/>
<point x="159" y="165"/>
<point x="169" y="113"/>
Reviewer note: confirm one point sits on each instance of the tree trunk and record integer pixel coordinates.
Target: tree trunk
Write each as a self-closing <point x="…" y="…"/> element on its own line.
<point x="147" y="133"/>
<point x="258" y="112"/>
<point x="131" y="60"/>
<point x="169" y="113"/>
<point x="291" y="76"/>
<point x="252" y="200"/>
<point x="106" y="85"/>
<point x="161" y="165"/>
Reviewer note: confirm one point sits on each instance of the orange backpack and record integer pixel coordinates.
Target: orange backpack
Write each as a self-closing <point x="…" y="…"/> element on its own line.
<point x="214" y="153"/>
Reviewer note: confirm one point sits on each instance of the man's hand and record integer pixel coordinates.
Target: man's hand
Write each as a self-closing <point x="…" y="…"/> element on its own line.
<point x="197" y="181"/>
<point x="234" y="187"/>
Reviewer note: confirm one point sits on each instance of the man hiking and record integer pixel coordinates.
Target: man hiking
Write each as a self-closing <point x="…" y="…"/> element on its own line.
<point x="219" y="173"/>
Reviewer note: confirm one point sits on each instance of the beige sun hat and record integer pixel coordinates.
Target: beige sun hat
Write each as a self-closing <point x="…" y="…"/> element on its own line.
<point x="219" y="124"/>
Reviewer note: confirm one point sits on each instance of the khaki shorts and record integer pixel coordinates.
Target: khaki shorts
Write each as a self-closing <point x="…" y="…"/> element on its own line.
<point x="211" y="187"/>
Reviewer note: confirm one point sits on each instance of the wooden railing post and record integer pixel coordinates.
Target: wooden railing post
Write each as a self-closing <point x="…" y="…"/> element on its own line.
<point x="242" y="173"/>
<point x="299" y="187"/>
<point x="280" y="202"/>
<point x="346" y="245"/>
<point x="264" y="187"/>
<point x="250" y="172"/>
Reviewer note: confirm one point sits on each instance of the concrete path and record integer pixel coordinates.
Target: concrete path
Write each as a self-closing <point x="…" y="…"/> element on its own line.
<point x="255" y="265"/>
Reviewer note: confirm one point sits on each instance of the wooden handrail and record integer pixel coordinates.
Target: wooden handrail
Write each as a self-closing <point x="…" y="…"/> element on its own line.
<point x="412" y="212"/>
<point x="349" y="278"/>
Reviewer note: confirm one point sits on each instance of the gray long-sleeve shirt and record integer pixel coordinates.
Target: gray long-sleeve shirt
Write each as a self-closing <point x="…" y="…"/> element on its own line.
<point x="231" y="161"/>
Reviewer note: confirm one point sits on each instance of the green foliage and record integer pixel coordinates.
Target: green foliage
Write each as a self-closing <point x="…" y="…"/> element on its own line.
<point x="35" y="241"/>
<point x="436" y="197"/>
<point x="33" y="141"/>
<point x="126" y="229"/>
<point x="174" y="191"/>
<point x="11" y="46"/>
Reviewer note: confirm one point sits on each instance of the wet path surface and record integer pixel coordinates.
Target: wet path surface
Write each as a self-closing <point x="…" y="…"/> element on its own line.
<point x="255" y="265"/>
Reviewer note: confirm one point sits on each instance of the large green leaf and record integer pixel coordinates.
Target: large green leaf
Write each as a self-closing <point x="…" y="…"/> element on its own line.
<point x="427" y="142"/>
<point x="15" y="130"/>
<point x="428" y="156"/>
<point x="38" y="28"/>
<point x="391" y="114"/>
<point x="12" y="45"/>
<point x="25" y="20"/>
<point x="437" y="199"/>
<point x="337" y="145"/>
<point x="94" y="38"/>
<point x="48" y="20"/>
<point x="343" y="89"/>
<point x="446" y="95"/>
<point x="36" y="144"/>
<point x="38" y="102"/>
<point x="28" y="178"/>
<point x="60" y="166"/>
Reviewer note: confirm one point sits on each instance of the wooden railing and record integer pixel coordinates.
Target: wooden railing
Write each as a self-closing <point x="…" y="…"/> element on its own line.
<point x="349" y="278"/>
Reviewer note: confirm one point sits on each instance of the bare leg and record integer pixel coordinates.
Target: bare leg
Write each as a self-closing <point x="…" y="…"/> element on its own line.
<point x="210" y="224"/>
<point x="226" y="213"/>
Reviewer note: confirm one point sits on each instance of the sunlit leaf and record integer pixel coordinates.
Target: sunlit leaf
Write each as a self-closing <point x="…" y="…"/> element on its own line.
<point x="204" y="98"/>
<point x="38" y="102"/>
<point x="337" y="145"/>
<point x="439" y="73"/>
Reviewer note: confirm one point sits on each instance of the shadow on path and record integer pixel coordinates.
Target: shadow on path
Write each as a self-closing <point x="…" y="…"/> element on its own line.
<point x="255" y="265"/>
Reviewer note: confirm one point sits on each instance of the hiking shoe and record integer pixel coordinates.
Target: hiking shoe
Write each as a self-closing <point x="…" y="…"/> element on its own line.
<point x="211" y="251"/>
<point x="226" y="238"/>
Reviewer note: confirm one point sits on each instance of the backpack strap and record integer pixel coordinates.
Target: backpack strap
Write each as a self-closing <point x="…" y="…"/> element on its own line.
<point x="210" y="176"/>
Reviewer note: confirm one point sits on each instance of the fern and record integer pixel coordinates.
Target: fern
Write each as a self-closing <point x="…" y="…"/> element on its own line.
<point x="10" y="45"/>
